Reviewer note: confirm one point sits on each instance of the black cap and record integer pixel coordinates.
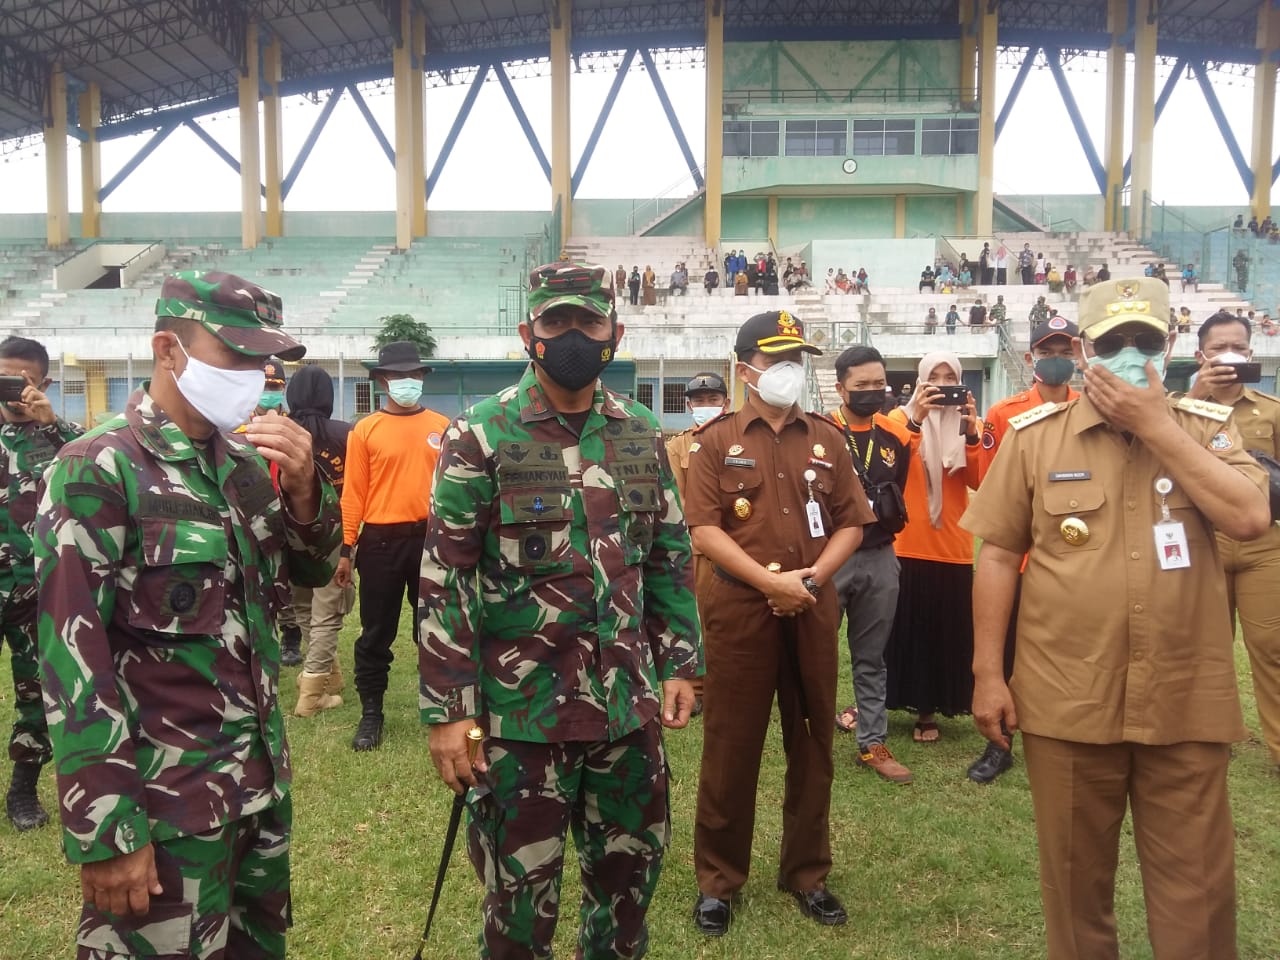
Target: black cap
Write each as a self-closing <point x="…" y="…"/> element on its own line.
<point x="273" y="371"/>
<point x="774" y="332"/>
<point x="1053" y="327"/>
<point x="706" y="381"/>
<point x="399" y="357"/>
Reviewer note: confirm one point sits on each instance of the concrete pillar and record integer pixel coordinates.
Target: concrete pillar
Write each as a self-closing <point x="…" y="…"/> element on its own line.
<point x="57" y="210"/>
<point x="984" y="196"/>
<point x="1144" y="121"/>
<point x="715" y="128"/>
<point x="962" y="215"/>
<point x="90" y="110"/>
<point x="561" y="162"/>
<point x="273" y="137"/>
<point x="1264" y="109"/>
<point x="772" y="226"/>
<point x="404" y="77"/>
<point x="968" y="52"/>
<point x="1113" y="157"/>
<point x="418" y="134"/>
<point x="250" y="143"/>
<point x="900" y="216"/>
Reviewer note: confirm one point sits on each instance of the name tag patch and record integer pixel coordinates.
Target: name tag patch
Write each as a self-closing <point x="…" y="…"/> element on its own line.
<point x="1060" y="475"/>
<point x="748" y="462"/>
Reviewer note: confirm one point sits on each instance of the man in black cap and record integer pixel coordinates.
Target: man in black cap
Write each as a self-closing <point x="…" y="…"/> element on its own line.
<point x="706" y="398"/>
<point x="386" y="494"/>
<point x="775" y="506"/>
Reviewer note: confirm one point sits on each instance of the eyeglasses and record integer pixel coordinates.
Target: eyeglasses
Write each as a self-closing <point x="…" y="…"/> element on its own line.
<point x="1151" y="343"/>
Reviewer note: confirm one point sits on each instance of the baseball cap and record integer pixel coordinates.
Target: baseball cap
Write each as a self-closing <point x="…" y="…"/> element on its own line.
<point x="273" y="372"/>
<point x="774" y="332"/>
<point x="573" y="285"/>
<point x="247" y="318"/>
<point x="1053" y="327"/>
<point x="706" y="381"/>
<point x="1113" y="303"/>
<point x="400" y="356"/>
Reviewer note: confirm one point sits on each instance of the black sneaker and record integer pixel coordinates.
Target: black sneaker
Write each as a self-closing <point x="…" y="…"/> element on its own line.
<point x="994" y="761"/>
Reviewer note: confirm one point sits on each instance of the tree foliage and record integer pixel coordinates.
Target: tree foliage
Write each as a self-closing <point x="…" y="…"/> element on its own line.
<point x="402" y="326"/>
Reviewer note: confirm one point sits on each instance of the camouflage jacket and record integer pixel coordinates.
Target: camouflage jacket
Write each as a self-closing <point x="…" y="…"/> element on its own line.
<point x="161" y="567"/>
<point x="26" y="448"/>
<point x="557" y="584"/>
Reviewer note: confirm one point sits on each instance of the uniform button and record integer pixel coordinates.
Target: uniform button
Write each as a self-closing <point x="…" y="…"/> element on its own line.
<point x="1137" y="608"/>
<point x="1130" y="504"/>
<point x="1134" y="555"/>
<point x="740" y="485"/>
<point x="782" y="476"/>
<point x="86" y="846"/>
<point x="786" y="509"/>
<point x="791" y="549"/>
<point x="1075" y="503"/>
<point x="1137" y="656"/>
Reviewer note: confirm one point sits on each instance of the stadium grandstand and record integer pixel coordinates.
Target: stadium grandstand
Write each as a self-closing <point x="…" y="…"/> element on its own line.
<point x="845" y="133"/>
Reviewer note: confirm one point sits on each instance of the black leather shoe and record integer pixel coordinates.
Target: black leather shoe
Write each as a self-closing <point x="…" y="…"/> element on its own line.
<point x="993" y="762"/>
<point x="821" y="905"/>
<point x="711" y="916"/>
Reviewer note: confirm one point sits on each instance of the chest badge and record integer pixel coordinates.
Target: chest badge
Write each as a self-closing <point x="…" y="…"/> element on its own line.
<point x="742" y="508"/>
<point x="735" y="450"/>
<point x="819" y="451"/>
<point x="1075" y="531"/>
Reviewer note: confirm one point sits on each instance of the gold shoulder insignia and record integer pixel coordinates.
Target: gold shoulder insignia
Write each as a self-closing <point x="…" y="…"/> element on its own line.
<point x="1204" y="408"/>
<point x="1035" y="415"/>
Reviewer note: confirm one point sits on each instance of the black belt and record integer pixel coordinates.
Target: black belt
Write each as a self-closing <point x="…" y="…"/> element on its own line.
<point x="728" y="577"/>
<point x="410" y="528"/>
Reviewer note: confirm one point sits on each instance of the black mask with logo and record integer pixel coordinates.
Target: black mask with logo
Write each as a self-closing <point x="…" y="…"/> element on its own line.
<point x="573" y="360"/>
<point x="864" y="403"/>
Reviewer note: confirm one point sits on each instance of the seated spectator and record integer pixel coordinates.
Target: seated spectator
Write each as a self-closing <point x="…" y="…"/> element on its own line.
<point x="931" y="320"/>
<point x="966" y="276"/>
<point x="710" y="279"/>
<point x="964" y="265"/>
<point x="1103" y="274"/>
<point x="1190" y="278"/>
<point x="1253" y="225"/>
<point x="843" y="282"/>
<point x="1184" y="320"/>
<point x="1090" y="277"/>
<point x="830" y="286"/>
<point x="1070" y="279"/>
<point x="864" y="282"/>
<point x="740" y="284"/>
<point x="1274" y="235"/>
<point x="771" y="277"/>
<point x="1053" y="278"/>
<point x="945" y="274"/>
<point x="1173" y="320"/>
<point x="1267" y="325"/>
<point x="1148" y="269"/>
<point x="1266" y="226"/>
<point x="679" y="281"/>
<point x="761" y="263"/>
<point x="1159" y="274"/>
<point x="926" y="280"/>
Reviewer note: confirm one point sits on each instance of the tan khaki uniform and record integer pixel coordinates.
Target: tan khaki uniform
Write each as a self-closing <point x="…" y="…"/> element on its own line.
<point x="1253" y="572"/>
<point x="1124" y="680"/>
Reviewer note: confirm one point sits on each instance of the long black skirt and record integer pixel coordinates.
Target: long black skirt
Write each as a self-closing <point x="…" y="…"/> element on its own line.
<point x="929" y="658"/>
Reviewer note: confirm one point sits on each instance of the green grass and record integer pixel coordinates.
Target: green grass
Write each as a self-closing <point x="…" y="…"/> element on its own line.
<point x="939" y="869"/>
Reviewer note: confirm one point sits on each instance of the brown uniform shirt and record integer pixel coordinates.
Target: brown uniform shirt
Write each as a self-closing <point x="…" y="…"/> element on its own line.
<point x="750" y="482"/>
<point x="678" y="455"/>
<point x="1110" y="648"/>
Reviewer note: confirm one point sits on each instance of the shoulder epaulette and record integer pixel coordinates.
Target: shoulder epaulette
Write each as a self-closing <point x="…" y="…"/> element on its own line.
<point x="818" y="415"/>
<point x="1035" y="415"/>
<point x="1204" y="408"/>
<point x="722" y="415"/>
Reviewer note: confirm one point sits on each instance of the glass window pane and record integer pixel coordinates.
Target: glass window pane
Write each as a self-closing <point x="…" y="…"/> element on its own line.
<point x="902" y="144"/>
<point x="964" y="141"/>
<point x="868" y="144"/>
<point x="964" y="123"/>
<point x="737" y="143"/>
<point x="764" y="143"/>
<point x="831" y="144"/>
<point x="800" y="138"/>
<point x="832" y="126"/>
<point x="801" y="126"/>
<point x="868" y="125"/>
<point x="765" y="126"/>
<point x="901" y="126"/>
<point x="935" y="143"/>
<point x="935" y="124"/>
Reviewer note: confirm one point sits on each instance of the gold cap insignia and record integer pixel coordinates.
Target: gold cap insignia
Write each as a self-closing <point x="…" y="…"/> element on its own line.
<point x="1075" y="531"/>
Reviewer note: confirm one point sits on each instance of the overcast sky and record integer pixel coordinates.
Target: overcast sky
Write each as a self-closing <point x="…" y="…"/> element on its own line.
<point x="493" y="168"/>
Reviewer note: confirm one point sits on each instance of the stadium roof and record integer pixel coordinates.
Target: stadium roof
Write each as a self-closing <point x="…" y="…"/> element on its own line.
<point x="150" y="55"/>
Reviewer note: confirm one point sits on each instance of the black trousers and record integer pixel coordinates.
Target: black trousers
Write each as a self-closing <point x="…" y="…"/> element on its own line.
<point x="389" y="561"/>
<point x="1028" y="276"/>
<point x="1002" y="276"/>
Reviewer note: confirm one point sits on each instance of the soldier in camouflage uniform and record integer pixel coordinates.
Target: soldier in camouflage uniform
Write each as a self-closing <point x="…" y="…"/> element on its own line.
<point x="30" y="434"/>
<point x="558" y="614"/>
<point x="163" y="554"/>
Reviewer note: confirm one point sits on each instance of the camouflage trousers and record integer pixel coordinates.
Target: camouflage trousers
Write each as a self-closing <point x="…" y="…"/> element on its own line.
<point x="613" y="796"/>
<point x="29" y="742"/>
<point x="226" y="897"/>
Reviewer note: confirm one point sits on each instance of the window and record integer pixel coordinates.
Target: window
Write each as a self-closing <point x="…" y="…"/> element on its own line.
<point x="364" y="397"/>
<point x="644" y="393"/>
<point x="751" y="138"/>
<point x="889" y="138"/>
<point x="817" y="138"/>
<point x="673" y="396"/>
<point x="950" y="137"/>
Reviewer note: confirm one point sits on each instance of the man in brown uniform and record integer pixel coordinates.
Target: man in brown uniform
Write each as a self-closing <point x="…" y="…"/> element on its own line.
<point x="1131" y="697"/>
<point x="1253" y="569"/>
<point x="707" y="397"/>
<point x="773" y="503"/>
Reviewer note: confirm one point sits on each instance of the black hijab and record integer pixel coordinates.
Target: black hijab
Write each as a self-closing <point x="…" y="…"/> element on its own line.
<point x="310" y="398"/>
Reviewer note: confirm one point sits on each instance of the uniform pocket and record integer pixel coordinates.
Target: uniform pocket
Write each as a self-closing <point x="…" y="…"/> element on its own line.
<point x="180" y="587"/>
<point x="1076" y="513"/>
<point x="739" y="495"/>
<point x="164" y="932"/>
<point x="533" y="532"/>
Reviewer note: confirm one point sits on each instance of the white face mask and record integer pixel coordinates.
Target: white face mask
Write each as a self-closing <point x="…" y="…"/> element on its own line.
<point x="781" y="384"/>
<point x="225" y="398"/>
<point x="406" y="391"/>
<point x="1229" y="357"/>
<point x="702" y="414"/>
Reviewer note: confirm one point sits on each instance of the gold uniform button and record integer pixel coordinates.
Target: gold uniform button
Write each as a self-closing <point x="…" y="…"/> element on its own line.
<point x="1134" y="556"/>
<point x="742" y="508"/>
<point x="1075" y="531"/>
<point x="774" y="567"/>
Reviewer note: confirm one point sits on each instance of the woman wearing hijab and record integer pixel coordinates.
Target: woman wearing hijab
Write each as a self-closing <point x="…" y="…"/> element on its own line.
<point x="320" y="611"/>
<point x="619" y="280"/>
<point x="650" y="286"/>
<point x="930" y="654"/>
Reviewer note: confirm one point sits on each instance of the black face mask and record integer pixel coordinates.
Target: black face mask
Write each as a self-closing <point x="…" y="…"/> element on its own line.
<point x="864" y="403"/>
<point x="572" y="359"/>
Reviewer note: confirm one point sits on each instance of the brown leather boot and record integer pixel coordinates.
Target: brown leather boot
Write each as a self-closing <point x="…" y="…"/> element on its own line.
<point x="311" y="696"/>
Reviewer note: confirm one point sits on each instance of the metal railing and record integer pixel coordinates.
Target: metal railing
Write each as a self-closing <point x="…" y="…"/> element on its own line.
<point x="668" y="198"/>
<point x="843" y="95"/>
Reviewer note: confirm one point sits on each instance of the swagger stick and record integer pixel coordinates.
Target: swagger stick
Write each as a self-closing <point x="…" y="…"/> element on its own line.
<point x="474" y="736"/>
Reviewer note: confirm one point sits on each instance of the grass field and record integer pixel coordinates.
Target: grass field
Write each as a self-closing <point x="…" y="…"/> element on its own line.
<point x="938" y="869"/>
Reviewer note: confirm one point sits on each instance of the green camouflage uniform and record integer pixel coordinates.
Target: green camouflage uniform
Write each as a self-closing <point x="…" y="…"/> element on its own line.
<point x="26" y="448"/>
<point x="556" y="595"/>
<point x="162" y="564"/>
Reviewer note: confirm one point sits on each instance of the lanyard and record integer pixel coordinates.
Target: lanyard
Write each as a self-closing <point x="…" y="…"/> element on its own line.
<point x="871" y="442"/>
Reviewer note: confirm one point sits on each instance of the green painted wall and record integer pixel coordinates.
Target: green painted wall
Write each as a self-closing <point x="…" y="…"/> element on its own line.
<point x="744" y="218"/>
<point x="931" y="215"/>
<point x="867" y="69"/>
<point x="800" y="220"/>
<point x="742" y="174"/>
<point x="688" y="222"/>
